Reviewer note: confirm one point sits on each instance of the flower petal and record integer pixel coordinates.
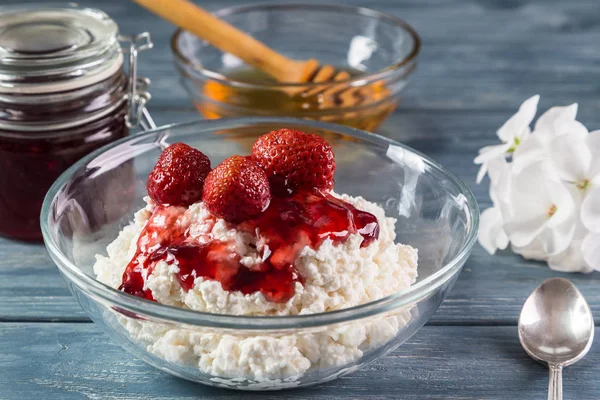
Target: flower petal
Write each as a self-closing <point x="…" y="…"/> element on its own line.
<point x="530" y="150"/>
<point x="570" y="128"/>
<point x="531" y="192"/>
<point x="593" y="142"/>
<point x="571" y="156"/>
<point x="570" y="260"/>
<point x="533" y="195"/>
<point x="521" y="232"/>
<point x="590" y="249"/>
<point x="491" y="235"/>
<point x="558" y="238"/>
<point x="517" y="123"/>
<point x="489" y="153"/>
<point x="564" y="204"/>
<point x="502" y="240"/>
<point x="498" y="168"/>
<point x="533" y="251"/>
<point x="545" y="124"/>
<point x="590" y="210"/>
<point x="502" y="202"/>
<point x="501" y="180"/>
<point x="482" y="172"/>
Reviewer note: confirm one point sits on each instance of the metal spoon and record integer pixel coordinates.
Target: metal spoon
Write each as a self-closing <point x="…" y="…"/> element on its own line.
<point x="556" y="328"/>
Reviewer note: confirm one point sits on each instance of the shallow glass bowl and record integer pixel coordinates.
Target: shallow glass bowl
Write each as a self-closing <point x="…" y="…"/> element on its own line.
<point x="90" y="203"/>
<point x="381" y="49"/>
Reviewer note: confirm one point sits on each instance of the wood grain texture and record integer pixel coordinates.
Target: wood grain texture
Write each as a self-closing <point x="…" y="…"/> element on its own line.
<point x="491" y="289"/>
<point x="480" y="59"/>
<point x="31" y="287"/>
<point x="76" y="361"/>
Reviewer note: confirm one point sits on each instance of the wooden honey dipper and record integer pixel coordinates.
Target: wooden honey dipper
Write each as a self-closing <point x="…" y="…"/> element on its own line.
<point x="226" y="37"/>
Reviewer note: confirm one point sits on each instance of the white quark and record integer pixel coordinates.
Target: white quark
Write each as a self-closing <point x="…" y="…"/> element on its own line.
<point x="335" y="276"/>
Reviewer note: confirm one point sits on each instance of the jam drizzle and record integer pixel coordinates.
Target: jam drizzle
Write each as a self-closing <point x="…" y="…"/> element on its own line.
<point x="287" y="226"/>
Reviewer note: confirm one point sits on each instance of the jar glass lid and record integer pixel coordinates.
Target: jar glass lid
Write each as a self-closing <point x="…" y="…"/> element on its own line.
<point x="49" y="48"/>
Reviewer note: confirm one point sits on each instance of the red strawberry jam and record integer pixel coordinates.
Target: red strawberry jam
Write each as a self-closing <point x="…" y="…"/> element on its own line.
<point x="285" y="228"/>
<point x="306" y="219"/>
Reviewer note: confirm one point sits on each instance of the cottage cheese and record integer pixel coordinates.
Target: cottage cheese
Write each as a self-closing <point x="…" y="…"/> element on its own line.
<point x="335" y="276"/>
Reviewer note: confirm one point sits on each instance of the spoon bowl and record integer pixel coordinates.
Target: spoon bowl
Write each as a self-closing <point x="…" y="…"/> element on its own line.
<point x="556" y="327"/>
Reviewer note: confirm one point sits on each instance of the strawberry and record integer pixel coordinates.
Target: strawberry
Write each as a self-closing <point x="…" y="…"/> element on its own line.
<point x="237" y="189"/>
<point x="295" y="160"/>
<point x="178" y="176"/>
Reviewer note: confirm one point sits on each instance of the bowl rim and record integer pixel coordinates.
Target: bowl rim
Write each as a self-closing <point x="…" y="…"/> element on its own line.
<point x="119" y="300"/>
<point x="359" y="80"/>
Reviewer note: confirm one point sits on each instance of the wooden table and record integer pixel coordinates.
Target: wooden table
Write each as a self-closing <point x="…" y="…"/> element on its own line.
<point x="480" y="60"/>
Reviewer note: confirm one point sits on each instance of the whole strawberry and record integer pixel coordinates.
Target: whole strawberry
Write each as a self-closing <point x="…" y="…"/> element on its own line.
<point x="295" y="160"/>
<point x="237" y="189"/>
<point x="178" y="176"/>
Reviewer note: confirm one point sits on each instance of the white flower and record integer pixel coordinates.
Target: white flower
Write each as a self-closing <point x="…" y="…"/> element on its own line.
<point x="511" y="134"/>
<point x="543" y="209"/>
<point x="572" y="258"/>
<point x="554" y="122"/>
<point x="546" y="125"/>
<point x="572" y="154"/>
<point x="545" y="189"/>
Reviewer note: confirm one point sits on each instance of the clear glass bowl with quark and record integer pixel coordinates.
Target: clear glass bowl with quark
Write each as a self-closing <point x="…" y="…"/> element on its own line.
<point x="90" y="203"/>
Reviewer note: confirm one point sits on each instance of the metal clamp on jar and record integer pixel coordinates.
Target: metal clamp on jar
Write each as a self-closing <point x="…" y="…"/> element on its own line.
<point x="63" y="94"/>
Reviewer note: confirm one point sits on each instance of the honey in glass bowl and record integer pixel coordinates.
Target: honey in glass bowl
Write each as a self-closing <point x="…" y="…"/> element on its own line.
<point x="370" y="104"/>
<point x="378" y="50"/>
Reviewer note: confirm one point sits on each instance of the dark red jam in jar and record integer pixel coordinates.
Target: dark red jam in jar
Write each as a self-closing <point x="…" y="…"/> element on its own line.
<point x="63" y="94"/>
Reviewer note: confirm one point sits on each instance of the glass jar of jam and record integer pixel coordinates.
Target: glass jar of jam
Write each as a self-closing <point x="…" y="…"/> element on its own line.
<point x="63" y="94"/>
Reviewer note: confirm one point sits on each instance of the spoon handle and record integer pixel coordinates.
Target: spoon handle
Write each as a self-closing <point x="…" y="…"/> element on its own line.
<point x="555" y="385"/>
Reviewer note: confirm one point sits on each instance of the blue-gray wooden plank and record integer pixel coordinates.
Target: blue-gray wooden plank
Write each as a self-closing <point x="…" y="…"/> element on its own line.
<point x="476" y="54"/>
<point x="60" y="361"/>
<point x="480" y="59"/>
<point x="490" y="290"/>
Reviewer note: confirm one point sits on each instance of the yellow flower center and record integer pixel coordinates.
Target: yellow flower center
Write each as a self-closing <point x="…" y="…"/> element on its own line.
<point x="582" y="185"/>
<point x="552" y="210"/>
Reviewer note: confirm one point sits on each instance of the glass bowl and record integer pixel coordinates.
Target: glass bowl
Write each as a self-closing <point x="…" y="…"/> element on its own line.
<point x="382" y="48"/>
<point x="90" y="203"/>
